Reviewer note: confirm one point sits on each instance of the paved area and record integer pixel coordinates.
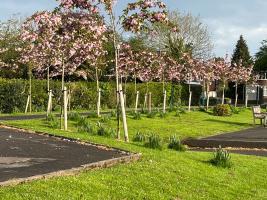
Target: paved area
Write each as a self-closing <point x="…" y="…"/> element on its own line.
<point x="250" y="138"/>
<point x="24" y="155"/>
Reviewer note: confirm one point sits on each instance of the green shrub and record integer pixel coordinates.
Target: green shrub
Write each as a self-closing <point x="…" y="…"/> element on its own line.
<point x="221" y="158"/>
<point x="154" y="142"/>
<point x="235" y="110"/>
<point x="106" y="132"/>
<point x="92" y="115"/>
<point x="113" y="113"/>
<point x="105" y="119"/>
<point x="152" y="114"/>
<point x="163" y="115"/>
<point x="222" y="110"/>
<point x="137" y="115"/>
<point x="175" y="143"/>
<point x="53" y="121"/>
<point x="74" y="116"/>
<point x="84" y="125"/>
<point x="139" y="137"/>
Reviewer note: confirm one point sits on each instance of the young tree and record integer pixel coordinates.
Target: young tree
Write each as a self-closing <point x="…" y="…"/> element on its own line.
<point x="224" y="72"/>
<point x="134" y="19"/>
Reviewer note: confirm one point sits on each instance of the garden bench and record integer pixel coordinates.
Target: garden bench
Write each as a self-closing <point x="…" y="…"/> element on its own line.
<point x="257" y="114"/>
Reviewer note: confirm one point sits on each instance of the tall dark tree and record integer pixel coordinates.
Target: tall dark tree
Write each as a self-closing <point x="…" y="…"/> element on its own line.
<point x="261" y="58"/>
<point x="241" y="52"/>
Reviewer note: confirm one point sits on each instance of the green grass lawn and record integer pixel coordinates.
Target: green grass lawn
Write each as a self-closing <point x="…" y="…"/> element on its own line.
<point x="165" y="174"/>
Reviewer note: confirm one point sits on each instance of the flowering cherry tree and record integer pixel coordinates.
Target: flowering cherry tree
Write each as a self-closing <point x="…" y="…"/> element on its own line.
<point x="224" y="73"/>
<point x="67" y="37"/>
<point x="134" y="18"/>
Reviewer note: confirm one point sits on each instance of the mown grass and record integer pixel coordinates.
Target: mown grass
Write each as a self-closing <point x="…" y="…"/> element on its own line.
<point x="165" y="174"/>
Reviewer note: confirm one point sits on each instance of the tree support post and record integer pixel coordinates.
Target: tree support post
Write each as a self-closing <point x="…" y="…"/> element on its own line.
<point x="123" y="112"/>
<point x="164" y="101"/>
<point x="49" y="105"/>
<point x="99" y="102"/>
<point x="190" y="100"/>
<point x="65" y="111"/>
<point x="136" y="101"/>
<point x="149" y="102"/>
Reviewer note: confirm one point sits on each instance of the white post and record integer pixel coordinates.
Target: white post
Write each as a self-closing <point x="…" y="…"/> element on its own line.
<point x="65" y="111"/>
<point x="99" y="102"/>
<point x="223" y="94"/>
<point x="123" y="114"/>
<point x="136" y="101"/>
<point x="190" y="100"/>
<point x="27" y="104"/>
<point x="164" y="101"/>
<point x="149" y="103"/>
<point x="236" y="94"/>
<point x="49" y="105"/>
<point x="246" y="97"/>
<point x="145" y="101"/>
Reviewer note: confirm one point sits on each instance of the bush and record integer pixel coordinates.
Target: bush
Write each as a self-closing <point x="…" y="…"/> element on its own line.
<point x="74" y="116"/>
<point x="175" y="143"/>
<point x="92" y="115"/>
<point x="53" y="121"/>
<point x="163" y="115"/>
<point x="153" y="142"/>
<point x="105" y="119"/>
<point x="221" y="158"/>
<point x="222" y="110"/>
<point x="84" y="125"/>
<point x="139" y="137"/>
<point x="137" y="115"/>
<point x="107" y="132"/>
<point x="152" y="114"/>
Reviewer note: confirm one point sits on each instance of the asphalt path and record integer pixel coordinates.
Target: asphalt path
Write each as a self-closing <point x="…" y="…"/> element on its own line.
<point x="25" y="155"/>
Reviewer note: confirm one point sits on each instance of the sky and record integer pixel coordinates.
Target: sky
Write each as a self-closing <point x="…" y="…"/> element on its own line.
<point x="226" y="19"/>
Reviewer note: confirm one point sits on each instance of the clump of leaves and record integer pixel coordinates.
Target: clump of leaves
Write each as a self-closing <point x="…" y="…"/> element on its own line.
<point x="180" y="111"/>
<point x="163" y="114"/>
<point x="137" y="115"/>
<point x="74" y="116"/>
<point x="139" y="137"/>
<point x="84" y="125"/>
<point x="221" y="158"/>
<point x="154" y="142"/>
<point x="103" y="131"/>
<point x="53" y="121"/>
<point x="175" y="143"/>
<point x="222" y="110"/>
<point x="92" y="115"/>
<point x="113" y="113"/>
<point x="105" y="118"/>
<point x="152" y="114"/>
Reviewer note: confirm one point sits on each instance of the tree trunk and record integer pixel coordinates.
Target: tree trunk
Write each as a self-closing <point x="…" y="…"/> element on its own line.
<point x="223" y="93"/>
<point x="246" y="96"/>
<point x="126" y="137"/>
<point x="236" y="94"/>
<point x="208" y="97"/>
<point x="113" y="25"/>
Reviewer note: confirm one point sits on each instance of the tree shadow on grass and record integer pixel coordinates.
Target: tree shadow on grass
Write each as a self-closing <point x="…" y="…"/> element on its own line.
<point x="229" y="122"/>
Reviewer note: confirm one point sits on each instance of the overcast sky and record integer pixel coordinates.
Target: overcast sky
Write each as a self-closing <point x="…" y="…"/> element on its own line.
<point x="226" y="19"/>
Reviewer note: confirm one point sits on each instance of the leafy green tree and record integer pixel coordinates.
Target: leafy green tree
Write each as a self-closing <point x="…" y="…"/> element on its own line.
<point x="261" y="58"/>
<point x="241" y="52"/>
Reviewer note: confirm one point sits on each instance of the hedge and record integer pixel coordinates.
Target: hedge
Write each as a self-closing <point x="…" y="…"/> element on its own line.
<point x="13" y="94"/>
